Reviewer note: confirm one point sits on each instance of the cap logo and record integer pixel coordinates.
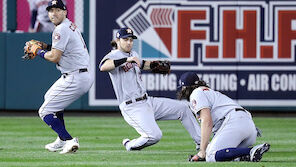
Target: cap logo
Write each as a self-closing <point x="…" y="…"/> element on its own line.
<point x="54" y="2"/>
<point x="117" y="35"/>
<point x="129" y="31"/>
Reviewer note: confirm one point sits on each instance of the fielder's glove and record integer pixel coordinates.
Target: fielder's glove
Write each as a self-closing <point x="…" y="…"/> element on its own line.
<point x="195" y="158"/>
<point x="161" y="67"/>
<point x="31" y="48"/>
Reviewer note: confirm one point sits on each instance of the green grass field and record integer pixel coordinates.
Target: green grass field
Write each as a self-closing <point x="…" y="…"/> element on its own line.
<point x="22" y="141"/>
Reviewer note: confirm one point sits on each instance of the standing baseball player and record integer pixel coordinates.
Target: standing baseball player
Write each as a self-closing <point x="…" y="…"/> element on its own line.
<point x="233" y="127"/>
<point x="70" y="54"/>
<point x="138" y="109"/>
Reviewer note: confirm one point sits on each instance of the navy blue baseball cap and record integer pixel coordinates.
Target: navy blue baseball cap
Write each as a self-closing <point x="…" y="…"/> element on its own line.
<point x="125" y="32"/>
<point x="188" y="79"/>
<point x="56" y="4"/>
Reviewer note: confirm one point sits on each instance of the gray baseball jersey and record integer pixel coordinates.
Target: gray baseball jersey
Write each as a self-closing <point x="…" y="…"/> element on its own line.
<point x="67" y="38"/>
<point x="126" y="79"/>
<point x="219" y="104"/>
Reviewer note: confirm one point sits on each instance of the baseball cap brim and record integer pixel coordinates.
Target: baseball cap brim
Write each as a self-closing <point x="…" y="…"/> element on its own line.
<point x="129" y="35"/>
<point x="55" y="6"/>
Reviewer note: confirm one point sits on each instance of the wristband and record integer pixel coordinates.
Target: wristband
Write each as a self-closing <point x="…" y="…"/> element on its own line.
<point x="143" y="64"/>
<point x="119" y="61"/>
<point x="41" y="53"/>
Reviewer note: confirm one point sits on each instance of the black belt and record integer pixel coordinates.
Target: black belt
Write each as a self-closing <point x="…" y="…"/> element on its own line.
<point x="80" y="71"/>
<point x="240" y="109"/>
<point x="137" y="99"/>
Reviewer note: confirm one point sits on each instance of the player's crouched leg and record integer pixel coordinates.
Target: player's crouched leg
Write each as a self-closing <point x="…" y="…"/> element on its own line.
<point x="143" y="141"/>
<point x="155" y="137"/>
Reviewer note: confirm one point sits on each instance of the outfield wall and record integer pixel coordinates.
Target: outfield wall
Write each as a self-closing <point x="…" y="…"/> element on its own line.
<point x="245" y="49"/>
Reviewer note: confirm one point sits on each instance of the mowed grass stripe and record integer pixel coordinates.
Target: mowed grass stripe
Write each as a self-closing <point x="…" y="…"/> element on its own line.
<point x="22" y="141"/>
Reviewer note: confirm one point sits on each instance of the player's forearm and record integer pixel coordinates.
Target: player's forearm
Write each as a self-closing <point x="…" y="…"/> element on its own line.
<point x="206" y="128"/>
<point x="146" y="65"/>
<point x="51" y="57"/>
<point x="108" y="65"/>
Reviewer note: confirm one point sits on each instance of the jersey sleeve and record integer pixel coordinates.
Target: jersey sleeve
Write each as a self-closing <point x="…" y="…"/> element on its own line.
<point x="60" y="38"/>
<point x="198" y="101"/>
<point x="104" y="59"/>
<point x="112" y="55"/>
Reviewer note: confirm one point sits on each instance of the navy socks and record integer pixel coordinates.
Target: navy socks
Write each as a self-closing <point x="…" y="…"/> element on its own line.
<point x="229" y="154"/>
<point x="60" y="116"/>
<point x="57" y="125"/>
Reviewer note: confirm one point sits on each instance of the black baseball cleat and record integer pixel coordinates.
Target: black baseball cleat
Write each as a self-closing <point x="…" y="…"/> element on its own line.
<point x="257" y="152"/>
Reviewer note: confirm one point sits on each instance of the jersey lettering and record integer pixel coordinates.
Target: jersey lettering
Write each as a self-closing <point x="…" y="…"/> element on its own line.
<point x="73" y="27"/>
<point x="127" y="67"/>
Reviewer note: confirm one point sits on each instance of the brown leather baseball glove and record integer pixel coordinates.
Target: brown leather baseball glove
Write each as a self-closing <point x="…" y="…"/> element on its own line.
<point x="31" y="48"/>
<point x="161" y="67"/>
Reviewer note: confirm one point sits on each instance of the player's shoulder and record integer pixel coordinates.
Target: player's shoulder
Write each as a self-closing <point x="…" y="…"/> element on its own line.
<point x="64" y="26"/>
<point x="114" y="54"/>
<point x="201" y="90"/>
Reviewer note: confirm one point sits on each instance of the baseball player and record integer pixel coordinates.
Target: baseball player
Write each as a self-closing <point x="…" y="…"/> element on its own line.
<point x="233" y="127"/>
<point x="138" y="109"/>
<point x="70" y="54"/>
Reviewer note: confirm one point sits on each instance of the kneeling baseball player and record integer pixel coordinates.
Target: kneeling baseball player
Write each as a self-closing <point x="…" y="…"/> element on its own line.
<point x="233" y="127"/>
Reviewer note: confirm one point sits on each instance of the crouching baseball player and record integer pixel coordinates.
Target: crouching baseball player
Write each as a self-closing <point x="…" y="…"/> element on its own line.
<point x="69" y="52"/>
<point x="138" y="109"/>
<point x="233" y="127"/>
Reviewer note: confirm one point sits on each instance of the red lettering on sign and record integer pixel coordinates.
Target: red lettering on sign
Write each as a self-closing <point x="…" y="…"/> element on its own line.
<point x="185" y="33"/>
<point x="247" y="34"/>
<point x="266" y="52"/>
<point x="286" y="35"/>
<point x="212" y="52"/>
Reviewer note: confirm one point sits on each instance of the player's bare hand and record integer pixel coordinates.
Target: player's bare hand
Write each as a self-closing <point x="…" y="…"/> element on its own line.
<point x="197" y="157"/>
<point x="201" y="154"/>
<point x="134" y="60"/>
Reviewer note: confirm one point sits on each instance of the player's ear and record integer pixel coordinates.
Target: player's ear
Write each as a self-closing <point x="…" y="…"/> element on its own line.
<point x="66" y="13"/>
